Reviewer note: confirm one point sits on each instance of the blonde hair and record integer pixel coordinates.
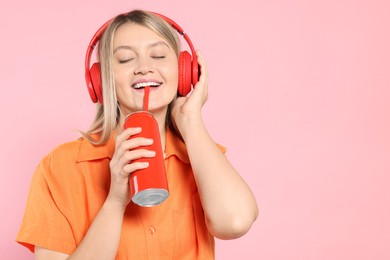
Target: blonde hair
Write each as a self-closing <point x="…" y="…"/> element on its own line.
<point x="108" y="115"/>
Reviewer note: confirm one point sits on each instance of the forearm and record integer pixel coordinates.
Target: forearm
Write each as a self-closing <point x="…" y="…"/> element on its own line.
<point x="103" y="236"/>
<point x="228" y="202"/>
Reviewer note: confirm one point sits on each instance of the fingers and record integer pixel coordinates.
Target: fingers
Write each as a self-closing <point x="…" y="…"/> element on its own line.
<point x="191" y="105"/>
<point x="202" y="63"/>
<point x="202" y="85"/>
<point x="123" y="143"/>
<point x="125" y="135"/>
<point x="124" y="161"/>
<point x="132" y="167"/>
<point x="129" y="149"/>
<point x="128" y="161"/>
<point x="203" y="78"/>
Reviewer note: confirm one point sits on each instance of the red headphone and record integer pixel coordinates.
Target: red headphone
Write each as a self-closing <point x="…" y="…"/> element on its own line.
<point x="188" y="65"/>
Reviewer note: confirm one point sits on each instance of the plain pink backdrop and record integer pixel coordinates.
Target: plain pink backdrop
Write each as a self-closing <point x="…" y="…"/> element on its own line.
<point x="299" y="93"/>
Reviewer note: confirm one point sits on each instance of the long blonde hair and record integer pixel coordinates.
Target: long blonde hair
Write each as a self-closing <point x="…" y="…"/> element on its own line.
<point x="108" y="115"/>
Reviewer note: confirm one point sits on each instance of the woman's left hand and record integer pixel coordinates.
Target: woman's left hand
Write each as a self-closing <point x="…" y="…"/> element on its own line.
<point x="187" y="109"/>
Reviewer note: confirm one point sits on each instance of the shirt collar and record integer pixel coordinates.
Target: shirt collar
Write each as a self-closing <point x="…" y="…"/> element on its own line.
<point x="89" y="152"/>
<point x="175" y="147"/>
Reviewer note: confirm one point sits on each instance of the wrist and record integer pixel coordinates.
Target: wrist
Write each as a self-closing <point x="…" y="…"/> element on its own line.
<point x="190" y="126"/>
<point x="114" y="206"/>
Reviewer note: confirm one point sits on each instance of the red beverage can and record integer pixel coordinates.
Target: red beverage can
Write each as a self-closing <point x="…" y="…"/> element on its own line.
<point x="149" y="186"/>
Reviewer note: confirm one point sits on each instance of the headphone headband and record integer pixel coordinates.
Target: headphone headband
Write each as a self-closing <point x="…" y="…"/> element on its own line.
<point x="186" y="61"/>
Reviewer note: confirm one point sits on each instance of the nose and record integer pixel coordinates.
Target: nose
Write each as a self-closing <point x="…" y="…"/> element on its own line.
<point x="143" y="66"/>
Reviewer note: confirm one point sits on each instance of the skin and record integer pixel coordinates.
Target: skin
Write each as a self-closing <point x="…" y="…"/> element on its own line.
<point x="229" y="205"/>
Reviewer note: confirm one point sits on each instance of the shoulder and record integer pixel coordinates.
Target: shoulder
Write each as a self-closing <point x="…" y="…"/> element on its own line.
<point x="61" y="157"/>
<point x="82" y="150"/>
<point x="72" y="156"/>
<point x="65" y="151"/>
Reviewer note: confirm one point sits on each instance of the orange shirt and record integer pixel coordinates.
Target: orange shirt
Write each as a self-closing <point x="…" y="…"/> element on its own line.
<point x="71" y="184"/>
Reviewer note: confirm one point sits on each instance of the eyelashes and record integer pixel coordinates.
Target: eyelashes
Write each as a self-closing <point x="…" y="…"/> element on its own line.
<point x="157" y="57"/>
<point x="125" y="61"/>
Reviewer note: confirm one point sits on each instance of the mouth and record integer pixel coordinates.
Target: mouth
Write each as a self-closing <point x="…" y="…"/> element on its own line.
<point x="141" y="85"/>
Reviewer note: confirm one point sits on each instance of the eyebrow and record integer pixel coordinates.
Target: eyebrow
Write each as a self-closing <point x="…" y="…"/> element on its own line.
<point x="128" y="47"/>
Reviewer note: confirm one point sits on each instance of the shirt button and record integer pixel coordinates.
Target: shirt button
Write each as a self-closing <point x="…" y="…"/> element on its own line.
<point x="152" y="230"/>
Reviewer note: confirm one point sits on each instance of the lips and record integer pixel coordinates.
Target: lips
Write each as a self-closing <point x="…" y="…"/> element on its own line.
<point x="143" y="84"/>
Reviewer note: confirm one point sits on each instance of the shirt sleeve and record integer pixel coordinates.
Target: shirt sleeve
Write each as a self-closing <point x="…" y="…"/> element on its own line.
<point x="43" y="223"/>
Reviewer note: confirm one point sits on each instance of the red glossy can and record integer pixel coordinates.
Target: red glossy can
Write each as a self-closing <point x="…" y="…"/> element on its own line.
<point x="148" y="187"/>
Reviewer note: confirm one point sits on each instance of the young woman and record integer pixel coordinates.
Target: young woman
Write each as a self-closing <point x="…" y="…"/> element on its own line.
<point x="79" y="206"/>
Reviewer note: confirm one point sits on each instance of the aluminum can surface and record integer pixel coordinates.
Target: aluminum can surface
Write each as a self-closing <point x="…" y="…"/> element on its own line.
<point x="149" y="186"/>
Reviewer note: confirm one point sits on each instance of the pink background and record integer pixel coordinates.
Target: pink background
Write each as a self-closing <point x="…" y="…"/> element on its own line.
<point x="299" y="93"/>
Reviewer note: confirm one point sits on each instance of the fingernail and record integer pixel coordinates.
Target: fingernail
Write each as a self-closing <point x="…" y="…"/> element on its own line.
<point x="151" y="153"/>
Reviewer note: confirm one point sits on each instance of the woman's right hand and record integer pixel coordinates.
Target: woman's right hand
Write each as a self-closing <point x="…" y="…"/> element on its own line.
<point x="122" y="165"/>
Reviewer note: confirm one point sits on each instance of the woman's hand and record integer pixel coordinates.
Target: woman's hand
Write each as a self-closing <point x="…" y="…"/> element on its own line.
<point x="188" y="108"/>
<point x="122" y="165"/>
<point x="228" y="203"/>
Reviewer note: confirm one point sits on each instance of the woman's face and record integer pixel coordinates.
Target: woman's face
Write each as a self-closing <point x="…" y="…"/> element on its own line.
<point x="141" y="57"/>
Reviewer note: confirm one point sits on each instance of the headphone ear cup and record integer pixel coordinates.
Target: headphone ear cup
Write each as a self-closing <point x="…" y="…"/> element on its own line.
<point x="195" y="71"/>
<point x="185" y="71"/>
<point x="96" y="81"/>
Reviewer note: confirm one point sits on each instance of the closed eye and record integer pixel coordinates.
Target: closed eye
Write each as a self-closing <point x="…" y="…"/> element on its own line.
<point x="158" y="57"/>
<point x="125" y="61"/>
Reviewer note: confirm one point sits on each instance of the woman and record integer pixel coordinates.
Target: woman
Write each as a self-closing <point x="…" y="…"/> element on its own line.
<point x="79" y="203"/>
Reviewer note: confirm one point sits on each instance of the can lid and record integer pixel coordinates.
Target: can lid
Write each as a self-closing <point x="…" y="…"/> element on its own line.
<point x="139" y="114"/>
<point x="150" y="197"/>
